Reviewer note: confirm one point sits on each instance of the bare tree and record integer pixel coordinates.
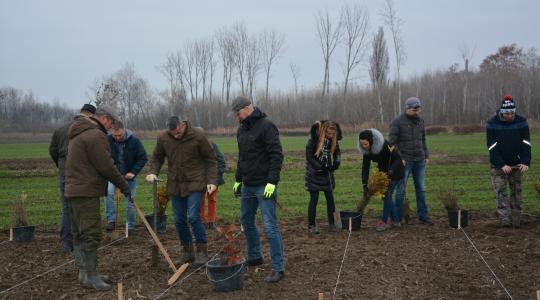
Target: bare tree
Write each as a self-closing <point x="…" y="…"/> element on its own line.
<point x="172" y="69"/>
<point x="378" y="68"/>
<point x="466" y="54"/>
<point x="271" y="46"/>
<point x="355" y="21"/>
<point x="226" y="52"/>
<point x="240" y="53"/>
<point x="329" y="33"/>
<point x="295" y="71"/>
<point x="394" y="23"/>
<point x="253" y="65"/>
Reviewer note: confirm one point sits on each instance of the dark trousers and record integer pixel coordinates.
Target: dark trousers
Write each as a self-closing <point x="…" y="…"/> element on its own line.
<point x="66" y="238"/>
<point x="85" y="222"/>
<point x="330" y="206"/>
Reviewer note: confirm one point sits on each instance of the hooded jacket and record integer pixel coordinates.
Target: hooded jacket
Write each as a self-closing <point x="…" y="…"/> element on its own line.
<point x="133" y="153"/>
<point x="260" y="155"/>
<point x="318" y="176"/>
<point x="191" y="161"/>
<point x="388" y="161"/>
<point x="509" y="143"/>
<point x="89" y="165"/>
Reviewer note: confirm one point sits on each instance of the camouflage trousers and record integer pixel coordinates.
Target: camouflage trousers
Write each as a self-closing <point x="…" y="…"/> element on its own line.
<point x="507" y="203"/>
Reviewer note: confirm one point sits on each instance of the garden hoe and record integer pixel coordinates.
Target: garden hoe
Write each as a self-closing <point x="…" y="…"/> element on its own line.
<point x="177" y="272"/>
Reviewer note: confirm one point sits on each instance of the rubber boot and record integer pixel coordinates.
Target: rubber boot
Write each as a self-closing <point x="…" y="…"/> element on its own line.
<point x="187" y="256"/>
<point x="202" y="255"/>
<point x="80" y="262"/>
<point x="93" y="279"/>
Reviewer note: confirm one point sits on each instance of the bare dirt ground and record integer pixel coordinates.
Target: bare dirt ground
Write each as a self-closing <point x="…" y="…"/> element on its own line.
<point x="412" y="262"/>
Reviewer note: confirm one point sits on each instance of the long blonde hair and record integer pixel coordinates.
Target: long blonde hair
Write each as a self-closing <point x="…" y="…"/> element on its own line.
<point x="323" y="128"/>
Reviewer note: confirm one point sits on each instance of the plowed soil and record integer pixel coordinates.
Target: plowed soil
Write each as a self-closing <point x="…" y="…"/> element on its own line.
<point x="412" y="262"/>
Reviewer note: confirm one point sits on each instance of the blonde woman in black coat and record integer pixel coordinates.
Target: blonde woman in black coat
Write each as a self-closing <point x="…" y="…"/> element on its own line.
<point x="322" y="159"/>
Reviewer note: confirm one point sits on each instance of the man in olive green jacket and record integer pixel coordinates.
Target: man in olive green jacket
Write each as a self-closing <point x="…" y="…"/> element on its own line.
<point x="89" y="166"/>
<point x="191" y="171"/>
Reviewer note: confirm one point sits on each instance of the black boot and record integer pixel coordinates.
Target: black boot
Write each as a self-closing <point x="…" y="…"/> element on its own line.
<point x="187" y="256"/>
<point x="93" y="279"/>
<point x="274" y="277"/>
<point x="202" y="255"/>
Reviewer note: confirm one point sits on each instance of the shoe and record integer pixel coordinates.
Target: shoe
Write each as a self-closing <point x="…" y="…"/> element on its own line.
<point x="110" y="226"/>
<point x="313" y="229"/>
<point x="255" y="261"/>
<point x="504" y="223"/>
<point x="381" y="226"/>
<point x="332" y="228"/>
<point x="201" y="256"/>
<point x="396" y="224"/>
<point x="425" y="221"/>
<point x="68" y="247"/>
<point x="274" y="277"/>
<point x="187" y="255"/>
<point x="211" y="225"/>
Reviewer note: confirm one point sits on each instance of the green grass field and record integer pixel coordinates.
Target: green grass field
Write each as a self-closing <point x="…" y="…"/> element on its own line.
<point x="457" y="160"/>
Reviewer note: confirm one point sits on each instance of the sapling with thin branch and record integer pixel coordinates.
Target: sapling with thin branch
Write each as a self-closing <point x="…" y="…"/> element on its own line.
<point x="449" y="197"/>
<point x="20" y="218"/>
<point x="230" y="254"/>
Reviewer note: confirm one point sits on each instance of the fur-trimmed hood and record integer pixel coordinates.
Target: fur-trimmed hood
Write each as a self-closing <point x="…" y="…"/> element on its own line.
<point x="315" y="128"/>
<point x="378" y="143"/>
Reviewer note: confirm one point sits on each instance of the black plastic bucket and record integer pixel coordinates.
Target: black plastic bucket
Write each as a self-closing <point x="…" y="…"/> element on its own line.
<point x="161" y="222"/>
<point x="225" y="278"/>
<point x="453" y="218"/>
<point x="356" y="220"/>
<point x="23" y="234"/>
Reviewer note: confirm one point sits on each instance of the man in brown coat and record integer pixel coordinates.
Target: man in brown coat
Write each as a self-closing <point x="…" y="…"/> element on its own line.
<point x="192" y="170"/>
<point x="89" y="167"/>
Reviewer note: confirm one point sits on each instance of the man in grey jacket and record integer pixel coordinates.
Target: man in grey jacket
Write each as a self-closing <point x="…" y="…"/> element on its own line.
<point x="407" y="132"/>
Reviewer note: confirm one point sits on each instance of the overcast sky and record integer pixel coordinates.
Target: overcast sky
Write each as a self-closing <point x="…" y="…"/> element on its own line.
<point x="58" y="48"/>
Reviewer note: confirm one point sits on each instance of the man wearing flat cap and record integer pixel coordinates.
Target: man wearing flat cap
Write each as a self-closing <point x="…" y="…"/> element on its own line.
<point x="192" y="171"/>
<point x="58" y="152"/>
<point x="407" y="132"/>
<point x="89" y="166"/>
<point x="260" y="158"/>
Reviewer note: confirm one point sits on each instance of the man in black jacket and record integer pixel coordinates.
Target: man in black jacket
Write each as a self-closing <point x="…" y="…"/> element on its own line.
<point x="58" y="152"/>
<point x="260" y="157"/>
<point x="509" y="146"/>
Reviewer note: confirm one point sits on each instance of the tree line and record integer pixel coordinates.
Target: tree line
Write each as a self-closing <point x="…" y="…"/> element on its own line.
<point x="204" y="76"/>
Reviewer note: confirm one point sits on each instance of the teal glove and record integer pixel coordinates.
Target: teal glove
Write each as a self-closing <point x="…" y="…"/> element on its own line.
<point x="269" y="190"/>
<point x="237" y="188"/>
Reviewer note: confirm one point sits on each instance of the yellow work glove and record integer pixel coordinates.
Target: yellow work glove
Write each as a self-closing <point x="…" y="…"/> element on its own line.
<point x="237" y="188"/>
<point x="269" y="190"/>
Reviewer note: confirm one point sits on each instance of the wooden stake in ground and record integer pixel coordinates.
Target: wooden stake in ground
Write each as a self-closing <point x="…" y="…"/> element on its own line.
<point x="337" y="220"/>
<point x="127" y="230"/>
<point x="120" y="291"/>
<point x="321" y="296"/>
<point x="177" y="274"/>
<point x="459" y="219"/>
<point x="11" y="234"/>
<point x="155" y="237"/>
<point x="350" y="224"/>
<point x="537" y="295"/>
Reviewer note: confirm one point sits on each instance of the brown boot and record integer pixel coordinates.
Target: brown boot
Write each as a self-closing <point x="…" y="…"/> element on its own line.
<point x="187" y="255"/>
<point x="202" y="255"/>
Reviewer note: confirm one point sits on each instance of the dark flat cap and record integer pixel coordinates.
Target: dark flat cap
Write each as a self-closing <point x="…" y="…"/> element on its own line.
<point x="239" y="102"/>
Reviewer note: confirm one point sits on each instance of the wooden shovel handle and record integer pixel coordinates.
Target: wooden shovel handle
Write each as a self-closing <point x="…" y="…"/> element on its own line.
<point x="155" y="237"/>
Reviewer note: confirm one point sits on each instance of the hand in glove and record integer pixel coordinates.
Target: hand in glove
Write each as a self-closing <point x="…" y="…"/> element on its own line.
<point x="237" y="189"/>
<point x="151" y="178"/>
<point x="210" y="188"/>
<point x="269" y="190"/>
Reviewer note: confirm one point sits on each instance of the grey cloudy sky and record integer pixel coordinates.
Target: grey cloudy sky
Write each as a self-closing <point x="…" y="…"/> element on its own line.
<point x="58" y="48"/>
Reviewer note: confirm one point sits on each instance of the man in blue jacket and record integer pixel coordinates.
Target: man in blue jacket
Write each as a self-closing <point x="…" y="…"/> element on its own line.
<point x="129" y="157"/>
<point x="509" y="146"/>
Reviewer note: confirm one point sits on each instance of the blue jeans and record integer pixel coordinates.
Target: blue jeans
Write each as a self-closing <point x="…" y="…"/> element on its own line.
<point x="110" y="205"/>
<point x="418" y="170"/>
<point x="66" y="238"/>
<point x="252" y="198"/>
<point x="391" y="208"/>
<point x="188" y="210"/>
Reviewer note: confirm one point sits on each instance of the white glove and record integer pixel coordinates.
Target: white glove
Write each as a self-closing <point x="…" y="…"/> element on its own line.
<point x="151" y="177"/>
<point x="211" y="188"/>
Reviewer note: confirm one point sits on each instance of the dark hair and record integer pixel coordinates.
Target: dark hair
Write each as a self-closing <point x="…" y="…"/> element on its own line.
<point x="173" y="122"/>
<point x="366" y="135"/>
<point x="117" y="125"/>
